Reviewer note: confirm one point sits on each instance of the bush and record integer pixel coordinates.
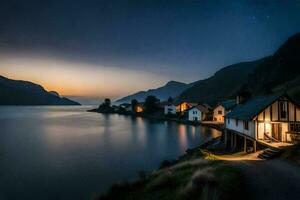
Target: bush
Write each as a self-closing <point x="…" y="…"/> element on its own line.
<point x="165" y="180"/>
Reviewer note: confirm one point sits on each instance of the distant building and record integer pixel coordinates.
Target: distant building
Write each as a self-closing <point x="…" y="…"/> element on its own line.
<point x="169" y="108"/>
<point x="197" y="113"/>
<point x="183" y="106"/>
<point x="138" y="108"/>
<point x="222" y="109"/>
<point x="264" y="119"/>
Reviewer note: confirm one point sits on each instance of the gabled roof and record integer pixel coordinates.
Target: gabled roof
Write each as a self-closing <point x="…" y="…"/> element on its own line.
<point x="253" y="106"/>
<point x="199" y="107"/>
<point x="228" y="104"/>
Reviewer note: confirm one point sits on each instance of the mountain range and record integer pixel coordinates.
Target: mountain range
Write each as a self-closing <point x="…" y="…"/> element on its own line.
<point x="278" y="72"/>
<point x="16" y="92"/>
<point x="171" y="89"/>
<point x="222" y="85"/>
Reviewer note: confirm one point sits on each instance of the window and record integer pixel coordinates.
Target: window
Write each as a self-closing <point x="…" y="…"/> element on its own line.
<point x="236" y="122"/>
<point x="283" y="109"/>
<point x="246" y="125"/>
<point x="295" y="127"/>
<point x="220" y="112"/>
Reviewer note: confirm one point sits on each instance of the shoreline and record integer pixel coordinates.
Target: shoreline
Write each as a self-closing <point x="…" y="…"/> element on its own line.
<point x="218" y="127"/>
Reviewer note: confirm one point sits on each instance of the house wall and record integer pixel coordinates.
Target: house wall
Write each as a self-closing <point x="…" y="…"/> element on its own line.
<point x="291" y="111"/>
<point x="298" y="114"/>
<point x="260" y="131"/>
<point x="272" y="115"/>
<point x="240" y="127"/>
<point x="194" y="113"/>
<point x="275" y="111"/>
<point x="182" y="107"/>
<point x="219" y="117"/>
<point x="170" y="109"/>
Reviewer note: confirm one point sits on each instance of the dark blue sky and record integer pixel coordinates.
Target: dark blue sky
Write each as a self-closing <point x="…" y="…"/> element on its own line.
<point x="182" y="40"/>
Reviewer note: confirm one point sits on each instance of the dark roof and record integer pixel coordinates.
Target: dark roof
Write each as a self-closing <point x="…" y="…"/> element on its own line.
<point x="252" y="107"/>
<point x="228" y="104"/>
<point x="199" y="107"/>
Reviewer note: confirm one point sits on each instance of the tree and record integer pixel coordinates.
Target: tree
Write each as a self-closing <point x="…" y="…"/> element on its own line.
<point x="170" y="100"/>
<point x="107" y="102"/>
<point x="105" y="105"/>
<point x="151" y="104"/>
<point x="134" y="103"/>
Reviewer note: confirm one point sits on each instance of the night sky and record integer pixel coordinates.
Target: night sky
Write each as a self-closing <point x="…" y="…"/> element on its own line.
<point x="111" y="48"/>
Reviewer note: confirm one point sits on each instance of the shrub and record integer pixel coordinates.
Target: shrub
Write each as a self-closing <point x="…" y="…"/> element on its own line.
<point x="165" y="180"/>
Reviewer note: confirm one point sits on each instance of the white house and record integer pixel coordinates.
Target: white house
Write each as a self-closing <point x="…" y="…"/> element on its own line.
<point x="266" y="119"/>
<point x="197" y="113"/>
<point x="169" y="108"/>
<point x="222" y="109"/>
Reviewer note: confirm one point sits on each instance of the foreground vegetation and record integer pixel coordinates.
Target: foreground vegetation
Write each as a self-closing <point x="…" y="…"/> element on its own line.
<point x="190" y="178"/>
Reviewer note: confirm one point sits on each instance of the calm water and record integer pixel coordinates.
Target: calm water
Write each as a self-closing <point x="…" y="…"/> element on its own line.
<point x="67" y="153"/>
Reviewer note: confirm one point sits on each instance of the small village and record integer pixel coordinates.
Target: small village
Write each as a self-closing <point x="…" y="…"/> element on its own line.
<point x="150" y="100"/>
<point x="247" y="123"/>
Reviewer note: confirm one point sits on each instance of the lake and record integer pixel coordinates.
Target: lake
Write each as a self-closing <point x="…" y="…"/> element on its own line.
<point x="64" y="152"/>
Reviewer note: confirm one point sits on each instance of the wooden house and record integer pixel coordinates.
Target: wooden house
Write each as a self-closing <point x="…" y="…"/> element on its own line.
<point x="266" y="119"/>
<point x="222" y="109"/>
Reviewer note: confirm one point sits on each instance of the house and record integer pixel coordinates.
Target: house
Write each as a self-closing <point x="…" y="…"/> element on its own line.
<point x="183" y="106"/>
<point x="222" y="109"/>
<point x="197" y="113"/>
<point x="138" y="108"/>
<point x="264" y="119"/>
<point x="169" y="108"/>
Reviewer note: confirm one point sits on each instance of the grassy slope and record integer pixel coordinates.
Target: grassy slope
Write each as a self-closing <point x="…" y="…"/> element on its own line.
<point x="191" y="178"/>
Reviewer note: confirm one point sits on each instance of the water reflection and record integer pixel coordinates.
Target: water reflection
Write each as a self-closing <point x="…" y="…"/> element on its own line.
<point x="67" y="153"/>
<point x="182" y="136"/>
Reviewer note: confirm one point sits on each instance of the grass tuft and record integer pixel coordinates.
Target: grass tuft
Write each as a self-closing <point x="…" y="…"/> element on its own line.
<point x="165" y="180"/>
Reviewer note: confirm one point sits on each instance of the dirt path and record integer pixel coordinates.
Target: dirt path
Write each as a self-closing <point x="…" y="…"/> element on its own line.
<point x="271" y="179"/>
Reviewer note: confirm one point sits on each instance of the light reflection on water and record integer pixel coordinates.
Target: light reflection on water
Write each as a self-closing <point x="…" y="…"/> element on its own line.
<point x="67" y="153"/>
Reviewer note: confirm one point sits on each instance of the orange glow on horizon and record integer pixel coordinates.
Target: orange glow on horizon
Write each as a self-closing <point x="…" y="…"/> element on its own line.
<point x="78" y="79"/>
